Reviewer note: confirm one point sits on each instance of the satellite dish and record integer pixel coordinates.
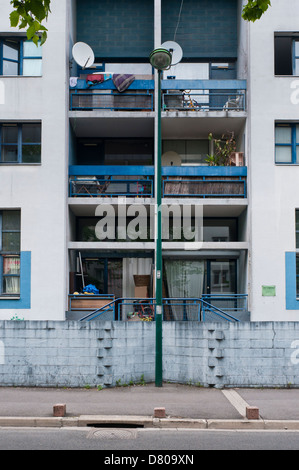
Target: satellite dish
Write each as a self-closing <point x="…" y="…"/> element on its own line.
<point x="171" y="159"/>
<point x="175" y="49"/>
<point x="83" y="54"/>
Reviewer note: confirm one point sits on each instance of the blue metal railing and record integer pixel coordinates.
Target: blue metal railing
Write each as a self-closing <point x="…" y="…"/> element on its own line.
<point x="184" y="95"/>
<point x="91" y="100"/>
<point x="174" y="309"/>
<point x="204" y="188"/>
<point x="137" y="180"/>
<point x="96" y="187"/>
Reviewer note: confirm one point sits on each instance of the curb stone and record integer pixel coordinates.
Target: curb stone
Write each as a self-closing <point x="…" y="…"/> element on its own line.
<point x="149" y="422"/>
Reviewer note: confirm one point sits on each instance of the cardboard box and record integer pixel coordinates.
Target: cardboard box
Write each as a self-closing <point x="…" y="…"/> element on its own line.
<point x="142" y="280"/>
<point x="141" y="292"/>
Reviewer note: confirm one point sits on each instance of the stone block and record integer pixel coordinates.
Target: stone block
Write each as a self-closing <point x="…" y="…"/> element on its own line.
<point x="59" y="410"/>
<point x="252" y="412"/>
<point x="159" y="413"/>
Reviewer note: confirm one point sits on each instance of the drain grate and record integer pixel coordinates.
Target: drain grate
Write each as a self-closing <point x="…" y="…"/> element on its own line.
<point x="113" y="434"/>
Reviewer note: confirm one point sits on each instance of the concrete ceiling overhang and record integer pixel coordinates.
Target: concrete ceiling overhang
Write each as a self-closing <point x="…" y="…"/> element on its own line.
<point x="175" y="125"/>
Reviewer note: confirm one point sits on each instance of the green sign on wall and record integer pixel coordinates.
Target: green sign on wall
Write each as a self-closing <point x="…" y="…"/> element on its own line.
<point x="268" y="291"/>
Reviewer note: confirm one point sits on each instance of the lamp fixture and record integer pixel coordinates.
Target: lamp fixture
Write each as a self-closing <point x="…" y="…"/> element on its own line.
<point x="160" y="58"/>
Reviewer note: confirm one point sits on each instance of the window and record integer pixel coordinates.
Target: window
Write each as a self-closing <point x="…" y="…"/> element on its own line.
<point x="287" y="143"/>
<point x="20" y="57"/>
<point x="192" y="152"/>
<point x="20" y="143"/>
<point x="10" y="226"/>
<point x="286" y="54"/>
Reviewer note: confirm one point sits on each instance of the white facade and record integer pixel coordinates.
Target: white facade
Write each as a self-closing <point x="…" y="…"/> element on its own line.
<point x="49" y="215"/>
<point x="273" y="196"/>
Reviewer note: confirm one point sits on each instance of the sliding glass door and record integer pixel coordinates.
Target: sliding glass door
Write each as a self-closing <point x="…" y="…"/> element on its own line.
<point x="221" y="277"/>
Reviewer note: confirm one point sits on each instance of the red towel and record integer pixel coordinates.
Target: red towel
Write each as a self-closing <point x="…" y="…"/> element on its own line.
<point x="95" y="77"/>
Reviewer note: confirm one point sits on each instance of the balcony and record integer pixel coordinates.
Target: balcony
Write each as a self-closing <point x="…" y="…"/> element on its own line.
<point x="92" y="96"/>
<point x="177" y="95"/>
<point x="203" y="95"/>
<point x="138" y="181"/>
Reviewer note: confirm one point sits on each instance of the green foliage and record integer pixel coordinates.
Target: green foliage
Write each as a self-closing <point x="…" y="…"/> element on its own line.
<point x="223" y="148"/>
<point x="29" y="15"/>
<point x="254" y="9"/>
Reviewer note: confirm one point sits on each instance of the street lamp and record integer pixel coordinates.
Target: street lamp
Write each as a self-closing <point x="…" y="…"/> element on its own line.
<point x="160" y="59"/>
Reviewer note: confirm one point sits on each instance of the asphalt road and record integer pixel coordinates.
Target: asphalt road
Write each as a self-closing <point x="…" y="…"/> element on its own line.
<point x="143" y="443"/>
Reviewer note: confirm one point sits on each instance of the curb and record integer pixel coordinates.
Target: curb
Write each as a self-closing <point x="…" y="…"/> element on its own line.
<point x="148" y="422"/>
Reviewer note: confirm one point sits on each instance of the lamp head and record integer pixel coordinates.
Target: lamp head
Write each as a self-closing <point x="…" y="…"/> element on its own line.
<point x="160" y="58"/>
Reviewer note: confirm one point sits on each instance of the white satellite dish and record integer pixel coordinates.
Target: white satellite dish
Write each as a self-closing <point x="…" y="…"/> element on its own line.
<point x="171" y="159"/>
<point x="83" y="54"/>
<point x="175" y="49"/>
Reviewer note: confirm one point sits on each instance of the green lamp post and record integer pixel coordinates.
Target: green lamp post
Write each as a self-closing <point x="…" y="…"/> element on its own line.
<point x="160" y="59"/>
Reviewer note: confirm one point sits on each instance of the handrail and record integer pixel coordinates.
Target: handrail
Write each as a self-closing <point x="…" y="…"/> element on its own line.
<point x="205" y="306"/>
<point x="104" y="309"/>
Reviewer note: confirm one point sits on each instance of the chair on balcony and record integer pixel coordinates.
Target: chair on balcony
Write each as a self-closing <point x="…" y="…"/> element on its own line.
<point x="89" y="186"/>
<point x="233" y="103"/>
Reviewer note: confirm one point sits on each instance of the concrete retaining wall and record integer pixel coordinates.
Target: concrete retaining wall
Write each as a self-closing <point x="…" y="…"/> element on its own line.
<point x="73" y="354"/>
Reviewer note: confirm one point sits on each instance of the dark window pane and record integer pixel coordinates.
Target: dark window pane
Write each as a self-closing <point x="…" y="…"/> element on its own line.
<point x="11" y="220"/>
<point x="10" y="242"/>
<point x="31" y="153"/>
<point x="283" y="56"/>
<point x="9" y="134"/>
<point x="9" y="153"/>
<point x="31" y="133"/>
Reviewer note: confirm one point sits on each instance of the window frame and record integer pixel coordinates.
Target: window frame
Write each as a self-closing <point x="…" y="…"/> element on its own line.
<point x="292" y="145"/>
<point x="6" y="254"/>
<point x="21" y="56"/>
<point x="19" y="143"/>
<point x="294" y="56"/>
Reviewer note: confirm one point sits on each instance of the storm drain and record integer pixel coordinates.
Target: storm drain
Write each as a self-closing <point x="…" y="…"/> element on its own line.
<point x="113" y="434"/>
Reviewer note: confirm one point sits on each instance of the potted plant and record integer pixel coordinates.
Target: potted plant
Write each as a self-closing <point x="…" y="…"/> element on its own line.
<point x="223" y="149"/>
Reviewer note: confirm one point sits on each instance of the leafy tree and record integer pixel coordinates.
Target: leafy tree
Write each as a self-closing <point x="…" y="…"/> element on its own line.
<point x="30" y="14"/>
<point x="254" y="9"/>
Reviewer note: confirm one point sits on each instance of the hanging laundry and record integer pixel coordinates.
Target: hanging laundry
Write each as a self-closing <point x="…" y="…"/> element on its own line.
<point x="122" y="81"/>
<point x="73" y="81"/>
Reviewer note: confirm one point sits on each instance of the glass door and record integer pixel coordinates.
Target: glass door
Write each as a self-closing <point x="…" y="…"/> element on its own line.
<point x="105" y="274"/>
<point x="221" y="277"/>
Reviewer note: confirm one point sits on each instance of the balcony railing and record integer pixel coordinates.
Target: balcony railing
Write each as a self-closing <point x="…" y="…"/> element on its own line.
<point x="178" y="95"/>
<point x="204" y="95"/>
<point x="138" y="181"/>
<point x="104" y="96"/>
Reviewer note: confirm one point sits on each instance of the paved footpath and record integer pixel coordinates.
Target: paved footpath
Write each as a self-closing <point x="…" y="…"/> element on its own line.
<point x="180" y="405"/>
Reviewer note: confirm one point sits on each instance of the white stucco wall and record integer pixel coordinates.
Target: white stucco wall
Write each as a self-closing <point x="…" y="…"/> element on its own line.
<point x="274" y="193"/>
<point x="40" y="190"/>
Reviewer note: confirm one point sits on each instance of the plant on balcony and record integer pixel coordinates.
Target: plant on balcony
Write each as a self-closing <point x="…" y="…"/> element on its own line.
<point x="223" y="148"/>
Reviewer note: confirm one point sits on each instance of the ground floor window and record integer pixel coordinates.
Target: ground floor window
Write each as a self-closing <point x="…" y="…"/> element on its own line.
<point x="10" y="252"/>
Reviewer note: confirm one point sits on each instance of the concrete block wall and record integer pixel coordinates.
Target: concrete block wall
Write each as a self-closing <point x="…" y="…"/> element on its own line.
<point x="206" y="29"/>
<point x="249" y="354"/>
<point x="74" y="354"/>
<point x="116" y="29"/>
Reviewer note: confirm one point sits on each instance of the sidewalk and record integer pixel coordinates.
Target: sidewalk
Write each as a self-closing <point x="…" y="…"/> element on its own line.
<point x="185" y="406"/>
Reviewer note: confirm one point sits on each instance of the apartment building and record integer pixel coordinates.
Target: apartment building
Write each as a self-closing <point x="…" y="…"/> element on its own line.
<point x="78" y="162"/>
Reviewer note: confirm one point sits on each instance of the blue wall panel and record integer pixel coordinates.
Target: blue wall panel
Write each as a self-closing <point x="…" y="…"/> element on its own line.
<point x="207" y="28"/>
<point x="117" y="29"/>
